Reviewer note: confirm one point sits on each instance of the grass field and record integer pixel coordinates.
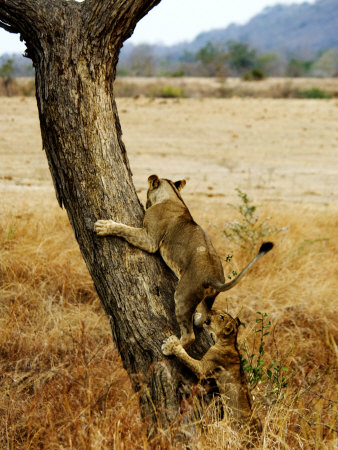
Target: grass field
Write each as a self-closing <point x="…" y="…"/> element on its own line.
<point x="62" y="382"/>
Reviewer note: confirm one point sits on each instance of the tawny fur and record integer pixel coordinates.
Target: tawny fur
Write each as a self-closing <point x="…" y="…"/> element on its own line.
<point x="169" y="227"/>
<point x="221" y="362"/>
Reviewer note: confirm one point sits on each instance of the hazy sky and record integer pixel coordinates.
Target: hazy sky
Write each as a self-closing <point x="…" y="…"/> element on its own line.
<point x="175" y="21"/>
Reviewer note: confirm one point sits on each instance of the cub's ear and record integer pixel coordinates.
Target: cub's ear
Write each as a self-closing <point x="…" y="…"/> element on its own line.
<point x="180" y="184"/>
<point x="153" y="181"/>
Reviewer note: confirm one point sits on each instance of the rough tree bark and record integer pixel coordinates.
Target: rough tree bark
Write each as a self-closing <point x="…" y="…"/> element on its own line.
<point x="74" y="48"/>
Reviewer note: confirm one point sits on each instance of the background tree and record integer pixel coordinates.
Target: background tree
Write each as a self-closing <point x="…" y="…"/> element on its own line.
<point x="142" y="61"/>
<point x="327" y="64"/>
<point x="298" y="68"/>
<point x="241" y="57"/>
<point x="74" y="48"/>
<point x="213" y="58"/>
<point x="269" y="63"/>
<point x="7" y="75"/>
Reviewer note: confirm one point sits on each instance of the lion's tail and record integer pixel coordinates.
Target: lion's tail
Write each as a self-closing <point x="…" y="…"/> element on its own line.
<point x="221" y="287"/>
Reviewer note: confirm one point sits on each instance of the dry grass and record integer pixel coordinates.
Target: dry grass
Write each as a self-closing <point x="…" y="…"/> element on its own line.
<point x="59" y="368"/>
<point x="62" y="383"/>
<point x="221" y="87"/>
<point x="201" y="87"/>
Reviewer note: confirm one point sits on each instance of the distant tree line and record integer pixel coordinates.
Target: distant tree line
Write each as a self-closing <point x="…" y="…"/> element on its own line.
<point x="235" y="59"/>
<point x="16" y="65"/>
<point x="10" y="69"/>
<point x="231" y="59"/>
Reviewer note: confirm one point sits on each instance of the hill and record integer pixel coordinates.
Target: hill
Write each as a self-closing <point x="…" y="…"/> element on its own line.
<point x="286" y="29"/>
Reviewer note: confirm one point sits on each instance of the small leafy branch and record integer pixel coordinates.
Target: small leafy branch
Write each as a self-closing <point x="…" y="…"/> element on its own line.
<point x="254" y="364"/>
<point x="228" y="259"/>
<point x="250" y="231"/>
<point x="8" y="235"/>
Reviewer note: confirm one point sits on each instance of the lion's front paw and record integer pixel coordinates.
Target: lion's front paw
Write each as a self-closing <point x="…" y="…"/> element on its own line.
<point x="169" y="345"/>
<point x="103" y="227"/>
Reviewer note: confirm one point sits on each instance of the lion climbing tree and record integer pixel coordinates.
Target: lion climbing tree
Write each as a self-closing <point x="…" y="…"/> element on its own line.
<point x="74" y="47"/>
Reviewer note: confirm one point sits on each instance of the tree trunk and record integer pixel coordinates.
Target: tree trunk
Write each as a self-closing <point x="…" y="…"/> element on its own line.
<point x="74" y="48"/>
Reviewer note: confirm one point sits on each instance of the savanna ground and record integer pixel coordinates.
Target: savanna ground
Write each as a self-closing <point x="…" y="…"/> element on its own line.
<point x="62" y="382"/>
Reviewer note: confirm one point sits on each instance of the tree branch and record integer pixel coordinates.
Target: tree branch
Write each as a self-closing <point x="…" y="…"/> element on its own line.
<point x="35" y="20"/>
<point x="104" y="17"/>
<point x="21" y="16"/>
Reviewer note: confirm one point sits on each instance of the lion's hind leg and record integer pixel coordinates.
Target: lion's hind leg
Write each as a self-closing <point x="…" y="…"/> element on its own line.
<point x="186" y="301"/>
<point x="184" y="318"/>
<point x="206" y="305"/>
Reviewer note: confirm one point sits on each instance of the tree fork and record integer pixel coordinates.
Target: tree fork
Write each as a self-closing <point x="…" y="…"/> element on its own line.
<point x="74" y="48"/>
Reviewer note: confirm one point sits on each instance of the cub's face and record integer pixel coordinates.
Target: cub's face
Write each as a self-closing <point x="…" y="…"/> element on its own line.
<point x="221" y="325"/>
<point x="161" y="189"/>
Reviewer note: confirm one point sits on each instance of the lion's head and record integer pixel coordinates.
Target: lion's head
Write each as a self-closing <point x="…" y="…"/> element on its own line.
<point x="221" y="325"/>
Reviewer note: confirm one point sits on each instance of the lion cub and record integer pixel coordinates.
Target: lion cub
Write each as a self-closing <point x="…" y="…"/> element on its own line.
<point x="184" y="246"/>
<point x="221" y="362"/>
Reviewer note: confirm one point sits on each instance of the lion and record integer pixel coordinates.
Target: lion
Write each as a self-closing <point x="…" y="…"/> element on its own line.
<point x="221" y="362"/>
<point x="169" y="227"/>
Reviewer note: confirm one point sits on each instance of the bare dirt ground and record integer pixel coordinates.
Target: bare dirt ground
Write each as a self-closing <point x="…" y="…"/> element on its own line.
<point x="275" y="150"/>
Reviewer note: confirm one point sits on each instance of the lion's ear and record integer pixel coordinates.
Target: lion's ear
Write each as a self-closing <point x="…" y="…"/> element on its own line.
<point x="180" y="184"/>
<point x="153" y="181"/>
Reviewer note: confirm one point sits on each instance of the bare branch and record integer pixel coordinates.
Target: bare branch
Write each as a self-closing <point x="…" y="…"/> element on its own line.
<point x="20" y="16"/>
<point x="105" y="17"/>
<point x="41" y="23"/>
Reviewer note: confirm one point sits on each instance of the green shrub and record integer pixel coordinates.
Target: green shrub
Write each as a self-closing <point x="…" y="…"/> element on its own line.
<point x="250" y="231"/>
<point x="122" y="72"/>
<point x="254" y="75"/>
<point x="314" y="93"/>
<point x="254" y="364"/>
<point x="177" y="73"/>
<point x="167" y="92"/>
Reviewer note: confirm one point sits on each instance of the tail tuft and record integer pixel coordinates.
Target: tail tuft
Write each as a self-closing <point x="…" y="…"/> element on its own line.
<point x="265" y="247"/>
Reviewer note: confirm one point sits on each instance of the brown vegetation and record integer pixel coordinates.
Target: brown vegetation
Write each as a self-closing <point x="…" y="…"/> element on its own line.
<point x="221" y="87"/>
<point x="180" y="87"/>
<point x="62" y="384"/>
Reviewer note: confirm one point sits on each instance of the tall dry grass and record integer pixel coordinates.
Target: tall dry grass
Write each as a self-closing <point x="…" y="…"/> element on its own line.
<point x="62" y="382"/>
